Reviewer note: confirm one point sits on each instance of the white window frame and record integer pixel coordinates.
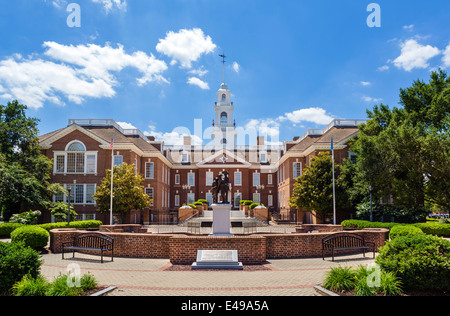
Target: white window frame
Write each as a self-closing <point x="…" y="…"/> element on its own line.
<point x="74" y="191"/>
<point x="151" y="173"/>
<point x="270" y="200"/>
<point x="118" y="163"/>
<point x="257" y="198"/>
<point x="258" y="177"/>
<point x="177" y="200"/>
<point x="209" y="178"/>
<point x="263" y="156"/>
<point x="177" y="178"/>
<point x="191" y="198"/>
<point x="185" y="157"/>
<point x="269" y="179"/>
<point x="296" y="170"/>
<point x="191" y="179"/>
<point x="236" y="177"/>
<point x="151" y="195"/>
<point x="64" y="154"/>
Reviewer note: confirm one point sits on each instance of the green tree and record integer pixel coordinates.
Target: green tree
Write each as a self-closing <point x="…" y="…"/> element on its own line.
<point x="403" y="153"/>
<point x="24" y="171"/>
<point x="313" y="191"/>
<point x="128" y="192"/>
<point x="59" y="211"/>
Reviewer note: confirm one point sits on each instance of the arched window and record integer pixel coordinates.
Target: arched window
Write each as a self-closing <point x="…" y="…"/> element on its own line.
<point x="76" y="146"/>
<point x="224" y="97"/>
<point x="224" y="118"/>
<point x="224" y="141"/>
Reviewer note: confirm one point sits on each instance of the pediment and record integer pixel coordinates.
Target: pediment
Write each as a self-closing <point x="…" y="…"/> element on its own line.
<point x="224" y="158"/>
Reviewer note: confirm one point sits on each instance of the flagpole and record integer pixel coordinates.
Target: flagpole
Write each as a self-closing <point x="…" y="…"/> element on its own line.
<point x="334" y="183"/>
<point x="112" y="179"/>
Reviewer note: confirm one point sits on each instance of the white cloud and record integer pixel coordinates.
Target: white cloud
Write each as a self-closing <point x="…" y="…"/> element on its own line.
<point x="371" y="100"/>
<point x="313" y="115"/>
<point x="236" y="67"/>
<point x="126" y="125"/>
<point x="415" y="55"/>
<point x="186" y="46"/>
<point x="446" y="58"/>
<point x="108" y="5"/>
<point x="77" y="72"/>
<point x="365" y="83"/>
<point x="199" y="83"/>
<point x="198" y="72"/>
<point x="175" y="137"/>
<point x="408" y="27"/>
<point x="383" y="68"/>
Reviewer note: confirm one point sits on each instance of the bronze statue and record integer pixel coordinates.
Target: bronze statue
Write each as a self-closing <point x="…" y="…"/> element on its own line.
<point x="221" y="185"/>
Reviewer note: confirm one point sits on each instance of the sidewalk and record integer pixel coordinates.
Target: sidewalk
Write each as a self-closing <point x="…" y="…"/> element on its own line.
<point x="148" y="277"/>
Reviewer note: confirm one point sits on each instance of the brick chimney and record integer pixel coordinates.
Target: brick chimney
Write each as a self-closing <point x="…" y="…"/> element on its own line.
<point x="260" y="140"/>
<point x="187" y="140"/>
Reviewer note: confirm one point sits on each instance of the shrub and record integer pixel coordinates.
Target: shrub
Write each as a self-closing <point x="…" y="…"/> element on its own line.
<point x="26" y="218"/>
<point x="77" y="225"/>
<point x="203" y="201"/>
<point x="59" y="211"/>
<point x="340" y="279"/>
<point x="198" y="203"/>
<point x="32" y="236"/>
<point x="421" y="262"/>
<point x="30" y="286"/>
<point x="433" y="228"/>
<point x="10" y="271"/>
<point x="353" y="223"/>
<point x="7" y="228"/>
<point x="88" y="282"/>
<point x="405" y="230"/>
<point x="246" y="202"/>
<point x="59" y="287"/>
<point x="430" y="228"/>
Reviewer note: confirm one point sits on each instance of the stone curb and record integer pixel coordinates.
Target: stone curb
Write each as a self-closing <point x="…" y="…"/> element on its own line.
<point x="324" y="292"/>
<point x="105" y="291"/>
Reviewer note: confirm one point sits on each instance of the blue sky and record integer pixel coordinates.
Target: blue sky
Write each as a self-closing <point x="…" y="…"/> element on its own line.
<point x="292" y="65"/>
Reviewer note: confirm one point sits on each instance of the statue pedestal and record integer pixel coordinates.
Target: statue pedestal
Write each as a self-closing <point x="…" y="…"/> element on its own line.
<point x="221" y="220"/>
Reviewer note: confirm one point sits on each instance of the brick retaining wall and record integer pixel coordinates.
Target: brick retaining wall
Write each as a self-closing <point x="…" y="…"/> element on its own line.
<point x="182" y="249"/>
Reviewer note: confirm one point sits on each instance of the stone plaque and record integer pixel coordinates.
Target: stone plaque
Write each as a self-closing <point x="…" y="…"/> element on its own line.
<point x="217" y="259"/>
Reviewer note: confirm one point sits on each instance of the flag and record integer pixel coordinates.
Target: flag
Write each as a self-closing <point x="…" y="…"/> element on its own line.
<point x="332" y="144"/>
<point x="112" y="142"/>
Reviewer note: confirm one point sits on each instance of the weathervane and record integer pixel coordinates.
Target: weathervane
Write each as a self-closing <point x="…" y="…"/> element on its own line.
<point x="223" y="61"/>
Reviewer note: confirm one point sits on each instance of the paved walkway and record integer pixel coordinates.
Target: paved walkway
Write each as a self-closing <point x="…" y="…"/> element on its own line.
<point x="149" y="277"/>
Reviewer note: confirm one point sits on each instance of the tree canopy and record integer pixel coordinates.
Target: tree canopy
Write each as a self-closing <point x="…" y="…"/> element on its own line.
<point x="404" y="152"/>
<point x="128" y="192"/>
<point x="24" y="171"/>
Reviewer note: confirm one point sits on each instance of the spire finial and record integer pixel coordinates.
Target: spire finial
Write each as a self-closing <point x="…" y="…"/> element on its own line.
<point x="223" y="61"/>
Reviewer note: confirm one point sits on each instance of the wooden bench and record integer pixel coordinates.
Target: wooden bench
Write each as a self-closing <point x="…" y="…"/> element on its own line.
<point x="346" y="241"/>
<point x="90" y="242"/>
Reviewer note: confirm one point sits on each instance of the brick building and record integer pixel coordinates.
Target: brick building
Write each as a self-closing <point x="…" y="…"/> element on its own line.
<point x="175" y="174"/>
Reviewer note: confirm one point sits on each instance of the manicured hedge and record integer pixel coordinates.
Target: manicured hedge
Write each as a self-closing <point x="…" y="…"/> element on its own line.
<point x="430" y="228"/>
<point x="421" y="262"/>
<point x="404" y="230"/>
<point x="7" y="228"/>
<point x="32" y="236"/>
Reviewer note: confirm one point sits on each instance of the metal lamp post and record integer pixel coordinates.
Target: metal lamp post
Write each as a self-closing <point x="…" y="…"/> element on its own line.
<point x="186" y="188"/>
<point x="69" y="188"/>
<point x="371" y="211"/>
